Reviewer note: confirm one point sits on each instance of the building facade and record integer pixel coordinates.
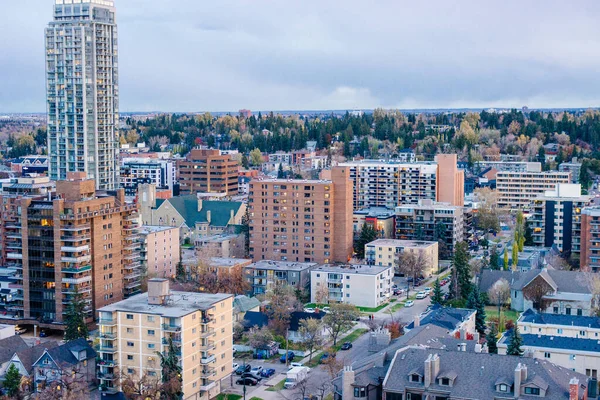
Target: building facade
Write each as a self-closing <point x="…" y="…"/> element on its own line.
<point x="383" y="220"/>
<point x="450" y="181"/>
<point x="198" y="324"/>
<point x="302" y="220"/>
<point x="385" y="252"/>
<point x="263" y="275"/>
<point x="82" y="86"/>
<point x="208" y="171"/>
<point x="517" y="190"/>
<point x="146" y="170"/>
<point x="361" y="285"/>
<point x="590" y="238"/>
<point x="160" y="250"/>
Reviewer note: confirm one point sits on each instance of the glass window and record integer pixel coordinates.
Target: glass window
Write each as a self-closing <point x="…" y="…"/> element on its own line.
<point x="532" y="390"/>
<point x="129" y="316"/>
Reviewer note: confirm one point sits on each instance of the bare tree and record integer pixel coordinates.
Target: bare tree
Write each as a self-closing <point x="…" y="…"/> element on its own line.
<point x="412" y="264"/>
<point x="146" y="387"/>
<point x="488" y="214"/>
<point x="259" y="338"/>
<point x="339" y="318"/>
<point x="536" y="292"/>
<point x="499" y="293"/>
<point x="322" y="295"/>
<point x="311" y="332"/>
<point x="282" y="302"/>
<point x="72" y="385"/>
<point x="592" y="281"/>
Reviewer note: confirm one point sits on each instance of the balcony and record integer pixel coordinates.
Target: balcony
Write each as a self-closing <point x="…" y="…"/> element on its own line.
<point x="176" y="339"/>
<point x="106" y="349"/>
<point x="77" y="281"/>
<point x="107" y="322"/>
<point x="208" y="385"/>
<point x="208" y="358"/>
<point x="72" y="249"/>
<point x="207" y="333"/>
<point x="77" y="270"/>
<point x="108" y="335"/>
<point x="208" y="346"/>
<point x="79" y="259"/>
<point x="171" y="328"/>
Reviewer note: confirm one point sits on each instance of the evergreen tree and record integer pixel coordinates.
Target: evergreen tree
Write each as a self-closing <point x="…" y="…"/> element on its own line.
<point x="12" y="381"/>
<point x="180" y="271"/>
<point x="463" y="271"/>
<point x="75" y="318"/>
<point x="492" y="340"/>
<point x="246" y="231"/>
<point x="280" y="173"/>
<point x="494" y="258"/>
<point x="475" y="302"/>
<point x="505" y="259"/>
<point x="171" y="372"/>
<point x="367" y="235"/>
<point x="245" y="162"/>
<point x="438" y="296"/>
<point x="528" y="235"/>
<point x="514" y="343"/>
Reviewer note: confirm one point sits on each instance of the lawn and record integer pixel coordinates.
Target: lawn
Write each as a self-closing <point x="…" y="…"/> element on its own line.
<point x="277" y="387"/>
<point x="371" y="309"/>
<point x="492" y="312"/>
<point x="228" y="397"/>
<point x="256" y="398"/>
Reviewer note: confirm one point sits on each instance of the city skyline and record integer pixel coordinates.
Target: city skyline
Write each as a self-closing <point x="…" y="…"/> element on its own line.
<point x="223" y="57"/>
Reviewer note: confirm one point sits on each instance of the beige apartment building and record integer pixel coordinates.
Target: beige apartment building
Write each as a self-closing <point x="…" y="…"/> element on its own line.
<point x="199" y="324"/>
<point x="450" y="181"/>
<point x="302" y="220"/>
<point x="517" y="189"/>
<point x="208" y="171"/>
<point x="160" y="250"/>
<point x="385" y="252"/>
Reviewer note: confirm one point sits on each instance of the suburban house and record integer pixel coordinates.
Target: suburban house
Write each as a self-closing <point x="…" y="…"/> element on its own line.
<point x="570" y="341"/>
<point x="72" y="358"/>
<point x="8" y="347"/>
<point x="458" y="322"/>
<point x="242" y="304"/>
<point x="567" y="291"/>
<point x="361" y="285"/>
<point x="23" y="359"/>
<point x="254" y="319"/>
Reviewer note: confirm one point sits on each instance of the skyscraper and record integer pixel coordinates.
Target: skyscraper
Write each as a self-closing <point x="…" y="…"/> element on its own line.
<point x="82" y="91"/>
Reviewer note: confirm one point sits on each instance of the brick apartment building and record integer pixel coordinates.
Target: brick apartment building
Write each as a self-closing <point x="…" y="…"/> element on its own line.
<point x="77" y="240"/>
<point x="208" y="171"/>
<point x="302" y="220"/>
<point x="450" y="181"/>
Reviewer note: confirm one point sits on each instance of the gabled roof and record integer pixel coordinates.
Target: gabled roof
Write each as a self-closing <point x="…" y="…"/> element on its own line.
<point x="561" y="281"/>
<point x="255" y="319"/>
<point x="556" y="342"/>
<point x="63" y="356"/>
<point x="243" y="303"/>
<point x="187" y="207"/>
<point x="30" y="355"/>
<point x="9" y="346"/>
<point x="533" y="317"/>
<point x="445" y="317"/>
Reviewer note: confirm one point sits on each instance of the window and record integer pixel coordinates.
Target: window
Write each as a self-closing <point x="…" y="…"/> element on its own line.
<point x="129" y="344"/>
<point x="502" y="388"/>
<point x="129" y="330"/>
<point x="568" y="310"/>
<point x="555" y="310"/>
<point x="151" y="373"/>
<point x="579" y="312"/>
<point x="151" y="345"/>
<point x="532" y="390"/>
<point x="130" y="371"/>
<point x="546" y="355"/>
<point x="129" y="316"/>
<point x="581" y="333"/>
<point x="129" y="357"/>
<point x="150" y="332"/>
<point x="445" y="382"/>
<point x="572" y="357"/>
<point x="559" y="331"/>
<point x="360" y="392"/>
<point x="415" y="378"/>
<point x="150" y="318"/>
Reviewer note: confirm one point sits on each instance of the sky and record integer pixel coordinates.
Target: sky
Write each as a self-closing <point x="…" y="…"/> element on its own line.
<point x="225" y="55"/>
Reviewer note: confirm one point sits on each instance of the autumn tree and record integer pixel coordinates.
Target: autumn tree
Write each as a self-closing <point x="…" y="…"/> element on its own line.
<point x="256" y="158"/>
<point x="339" y="319"/>
<point x="311" y="333"/>
<point x="69" y="385"/>
<point x="282" y="302"/>
<point x="536" y="291"/>
<point x="259" y="338"/>
<point x="412" y="264"/>
<point x="499" y="293"/>
<point x="144" y="388"/>
<point x="488" y="213"/>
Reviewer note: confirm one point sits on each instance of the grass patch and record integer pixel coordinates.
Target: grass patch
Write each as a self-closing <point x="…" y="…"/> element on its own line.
<point x="371" y="309"/>
<point x="329" y="396"/>
<point x="393" y="300"/>
<point x="492" y="311"/>
<point x="397" y="307"/>
<point x="277" y="387"/>
<point x="256" y="398"/>
<point x="228" y="397"/>
<point x="315" y="305"/>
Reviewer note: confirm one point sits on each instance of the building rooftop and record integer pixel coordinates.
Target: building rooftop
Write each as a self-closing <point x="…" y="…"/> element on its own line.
<point x="187" y="207"/>
<point x="533" y="317"/>
<point x="282" y="265"/>
<point x="401" y="243"/>
<point x="177" y="305"/>
<point x="555" y="342"/>
<point x="354" y="269"/>
<point x="146" y="229"/>
<point x="226" y="261"/>
<point x="378" y="212"/>
<point x="289" y="181"/>
<point x="444" y="317"/>
<point x="216" y="238"/>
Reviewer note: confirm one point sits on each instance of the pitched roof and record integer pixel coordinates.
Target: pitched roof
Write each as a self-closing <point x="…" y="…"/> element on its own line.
<point x="477" y="373"/>
<point x="297" y="316"/>
<point x="562" y="281"/>
<point x="488" y="277"/>
<point x="63" y="356"/>
<point x="533" y="317"/>
<point x="255" y="318"/>
<point x="30" y="355"/>
<point x="445" y="317"/>
<point x="243" y="303"/>
<point x="187" y="207"/>
<point x="9" y="346"/>
<point x="556" y="342"/>
<point x="260" y="319"/>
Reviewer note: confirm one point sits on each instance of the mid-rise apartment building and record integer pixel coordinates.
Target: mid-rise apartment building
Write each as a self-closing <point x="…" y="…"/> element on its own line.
<point x="262" y="275"/>
<point x="513" y="166"/>
<point x="302" y="220"/>
<point x="160" y="250"/>
<point x="517" y="190"/>
<point x="385" y="252"/>
<point x="208" y="171"/>
<point x="361" y="285"/>
<point x="450" y="181"/>
<point x="574" y="167"/>
<point x="135" y="171"/>
<point x="556" y="218"/>
<point x="431" y="221"/>
<point x="77" y="241"/>
<point x="82" y="86"/>
<point x="590" y="238"/>
<point x="200" y="326"/>
<point x="383" y="220"/>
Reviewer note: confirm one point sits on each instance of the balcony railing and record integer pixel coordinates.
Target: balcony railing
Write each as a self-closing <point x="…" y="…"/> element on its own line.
<point x="207" y="359"/>
<point x="171" y="328"/>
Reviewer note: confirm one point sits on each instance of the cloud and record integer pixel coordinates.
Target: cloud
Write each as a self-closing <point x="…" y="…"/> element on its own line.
<point x="189" y="55"/>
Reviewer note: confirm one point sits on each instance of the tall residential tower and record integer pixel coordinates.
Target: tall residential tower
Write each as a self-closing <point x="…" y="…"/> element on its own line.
<point x="82" y="91"/>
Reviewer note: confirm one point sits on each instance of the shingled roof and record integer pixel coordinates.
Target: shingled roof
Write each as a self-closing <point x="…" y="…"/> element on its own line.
<point x="187" y="207"/>
<point x="10" y="345"/>
<point x="445" y="317"/>
<point x="562" y="281"/>
<point x="533" y="317"/>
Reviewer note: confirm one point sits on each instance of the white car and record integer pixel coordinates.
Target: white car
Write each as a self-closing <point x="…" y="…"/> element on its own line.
<point x="428" y="289"/>
<point x="296" y="364"/>
<point x="409" y="303"/>
<point x="20" y="330"/>
<point x="256" y="370"/>
<point x="309" y="310"/>
<point x="235" y="366"/>
<point x="421" y="295"/>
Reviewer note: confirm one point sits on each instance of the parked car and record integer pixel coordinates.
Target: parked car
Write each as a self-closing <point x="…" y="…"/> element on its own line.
<point x="256" y="370"/>
<point x="243" y="369"/>
<point x="20" y="330"/>
<point x="394" y="286"/>
<point x="296" y="364"/>
<point x="326" y="309"/>
<point x="428" y="290"/>
<point x="267" y="372"/>
<point x="309" y="310"/>
<point x="235" y="367"/>
<point x="251" y="375"/>
<point x="421" y="295"/>
<point x="346" y="346"/>
<point x="290" y="357"/>
<point x="247" y="381"/>
<point x="409" y="303"/>
<point x="43" y="333"/>
<point x="325" y="357"/>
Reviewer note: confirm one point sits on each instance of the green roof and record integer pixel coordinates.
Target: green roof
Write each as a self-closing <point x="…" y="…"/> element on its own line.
<point x="187" y="206"/>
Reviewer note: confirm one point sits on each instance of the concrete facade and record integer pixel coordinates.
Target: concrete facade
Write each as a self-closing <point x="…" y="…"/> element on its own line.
<point x="160" y="247"/>
<point x="517" y="190"/>
<point x="450" y="181"/>
<point x="385" y="252"/>
<point x="208" y="171"/>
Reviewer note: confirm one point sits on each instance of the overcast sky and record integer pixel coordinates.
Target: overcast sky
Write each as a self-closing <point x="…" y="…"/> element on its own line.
<point x="224" y="55"/>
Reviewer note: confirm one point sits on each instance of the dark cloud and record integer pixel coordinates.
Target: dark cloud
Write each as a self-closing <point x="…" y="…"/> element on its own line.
<point x="190" y="55"/>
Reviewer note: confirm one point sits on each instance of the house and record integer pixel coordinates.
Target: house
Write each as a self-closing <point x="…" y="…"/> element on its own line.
<point x="242" y="304"/>
<point x="459" y="321"/>
<point x="570" y="341"/>
<point x="254" y="319"/>
<point x="567" y="291"/>
<point x="23" y="359"/>
<point x="8" y="347"/>
<point x="74" y="357"/>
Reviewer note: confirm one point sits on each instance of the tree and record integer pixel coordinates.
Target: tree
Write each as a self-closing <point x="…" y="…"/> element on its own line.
<point x="528" y="234"/>
<point x="499" y="293"/>
<point x="339" y="318"/>
<point x="438" y="296"/>
<point x="488" y="214"/>
<point x="75" y="318"/>
<point x="280" y="173"/>
<point x="311" y="333"/>
<point x="245" y="162"/>
<point x="514" y="343"/>
<point x="171" y="388"/>
<point x="246" y="231"/>
<point x="515" y="255"/>
<point x="144" y="388"/>
<point x="70" y="385"/>
<point x="463" y="272"/>
<point x="492" y="340"/>
<point x="411" y="264"/>
<point x="259" y="338"/>
<point x="536" y="291"/>
<point x="180" y="271"/>
<point x="505" y="261"/>
<point x="367" y="235"/>
<point x="282" y="301"/>
<point x="12" y="380"/>
<point x="475" y="302"/>
<point x="494" y="258"/>
<point x="256" y="157"/>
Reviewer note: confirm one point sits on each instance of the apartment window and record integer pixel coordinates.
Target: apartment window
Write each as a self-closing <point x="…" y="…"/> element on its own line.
<point x="579" y="312"/>
<point x="129" y="357"/>
<point x="581" y="333"/>
<point x="151" y="332"/>
<point x="150" y="318"/>
<point x="129" y="344"/>
<point x="546" y="355"/>
<point x="555" y="310"/>
<point x="532" y="390"/>
<point x="568" y="310"/>
<point x="151" y="373"/>
<point x="151" y="345"/>
<point x="129" y="316"/>
<point x="194" y="371"/>
<point x="129" y="330"/>
<point x="130" y="371"/>
<point x="559" y="331"/>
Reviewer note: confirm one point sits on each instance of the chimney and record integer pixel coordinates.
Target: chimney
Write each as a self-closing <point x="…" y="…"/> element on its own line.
<point x="208" y="216"/>
<point x="523" y="373"/>
<point x="158" y="291"/>
<point x="417" y="322"/>
<point x="428" y="379"/>
<point x="231" y="216"/>
<point x="347" y="382"/>
<point x="463" y="347"/>
<point x="463" y="334"/>
<point x="517" y="383"/>
<point x="476" y="337"/>
<point x="435" y="366"/>
<point x="199" y="205"/>
<point x="574" y="389"/>
<point x="478" y="348"/>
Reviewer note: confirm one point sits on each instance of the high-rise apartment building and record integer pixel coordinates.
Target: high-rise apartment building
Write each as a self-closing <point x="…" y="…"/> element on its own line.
<point x="590" y="238"/>
<point x="208" y="171"/>
<point x="160" y="250"/>
<point x="450" y="181"/>
<point x="518" y="189"/>
<point x="146" y="170"/>
<point x="75" y="241"/>
<point x="555" y="218"/>
<point x="82" y="91"/>
<point x="379" y="183"/>
<point x="302" y="220"/>
<point x="200" y="325"/>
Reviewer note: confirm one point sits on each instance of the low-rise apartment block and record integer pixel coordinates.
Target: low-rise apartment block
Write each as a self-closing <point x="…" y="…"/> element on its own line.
<point x="135" y="171"/>
<point x="511" y="166"/>
<point x="385" y="252"/>
<point x="224" y="245"/>
<point x="262" y="275"/>
<point x="302" y="220"/>
<point x="574" y="167"/>
<point x="361" y="285"/>
<point x="516" y="190"/>
<point x="200" y="325"/>
<point x="556" y="219"/>
<point x="160" y="250"/>
<point x="208" y="171"/>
